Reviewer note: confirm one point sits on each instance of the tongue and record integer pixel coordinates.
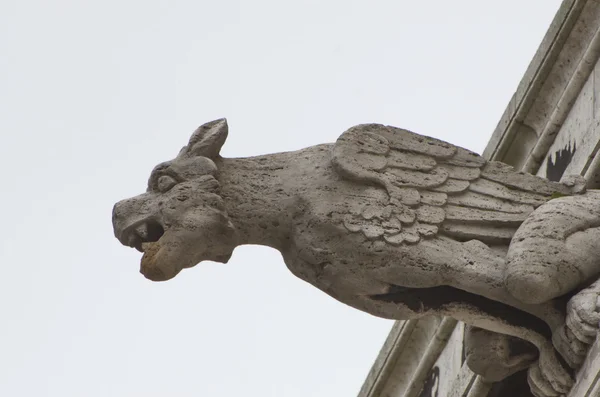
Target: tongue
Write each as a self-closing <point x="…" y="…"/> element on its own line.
<point x="149" y="268"/>
<point x="150" y="249"/>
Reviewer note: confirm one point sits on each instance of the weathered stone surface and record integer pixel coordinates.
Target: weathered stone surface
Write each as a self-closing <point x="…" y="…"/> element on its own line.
<point x="356" y="221"/>
<point x="588" y="378"/>
<point x="506" y="175"/>
<point x="494" y="356"/>
<point x="498" y="190"/>
<point x="486" y="202"/>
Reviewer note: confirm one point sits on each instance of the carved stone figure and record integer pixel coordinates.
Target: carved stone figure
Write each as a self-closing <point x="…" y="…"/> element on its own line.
<point x="398" y="225"/>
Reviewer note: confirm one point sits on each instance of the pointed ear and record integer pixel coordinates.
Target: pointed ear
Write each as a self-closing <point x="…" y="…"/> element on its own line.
<point x="207" y="140"/>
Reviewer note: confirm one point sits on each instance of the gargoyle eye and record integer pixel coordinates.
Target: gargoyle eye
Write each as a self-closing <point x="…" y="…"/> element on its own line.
<point x="165" y="183"/>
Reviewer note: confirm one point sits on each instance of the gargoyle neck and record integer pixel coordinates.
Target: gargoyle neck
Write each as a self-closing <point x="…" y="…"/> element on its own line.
<point x="258" y="198"/>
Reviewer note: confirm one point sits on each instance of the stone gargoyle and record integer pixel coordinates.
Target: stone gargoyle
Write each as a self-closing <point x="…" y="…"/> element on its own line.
<point x="398" y="225"/>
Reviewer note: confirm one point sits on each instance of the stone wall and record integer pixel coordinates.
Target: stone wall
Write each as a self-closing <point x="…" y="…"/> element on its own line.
<point x="425" y="358"/>
<point x="577" y="141"/>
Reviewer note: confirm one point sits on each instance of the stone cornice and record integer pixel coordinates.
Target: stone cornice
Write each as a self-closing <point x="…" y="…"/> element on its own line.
<point x="549" y="87"/>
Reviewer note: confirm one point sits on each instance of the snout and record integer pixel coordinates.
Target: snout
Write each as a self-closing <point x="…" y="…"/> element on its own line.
<point x="135" y="221"/>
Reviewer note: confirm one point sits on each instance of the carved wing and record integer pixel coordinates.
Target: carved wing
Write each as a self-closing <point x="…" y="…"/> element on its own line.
<point x="436" y="188"/>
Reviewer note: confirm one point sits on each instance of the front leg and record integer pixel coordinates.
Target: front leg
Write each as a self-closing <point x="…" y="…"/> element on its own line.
<point x="579" y="332"/>
<point x="548" y="377"/>
<point x="555" y="250"/>
<point x="553" y="253"/>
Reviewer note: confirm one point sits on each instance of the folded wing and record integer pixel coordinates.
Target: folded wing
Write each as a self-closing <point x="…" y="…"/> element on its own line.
<point x="436" y="188"/>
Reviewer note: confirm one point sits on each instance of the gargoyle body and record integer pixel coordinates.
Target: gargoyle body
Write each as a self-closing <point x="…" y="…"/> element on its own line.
<point x="395" y="224"/>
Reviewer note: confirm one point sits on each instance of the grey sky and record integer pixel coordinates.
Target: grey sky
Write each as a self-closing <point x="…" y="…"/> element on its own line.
<point x="93" y="94"/>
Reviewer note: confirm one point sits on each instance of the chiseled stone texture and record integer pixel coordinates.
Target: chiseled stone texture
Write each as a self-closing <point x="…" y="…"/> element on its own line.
<point x="588" y="377"/>
<point x="576" y="142"/>
<point x="551" y="128"/>
<point x="398" y="225"/>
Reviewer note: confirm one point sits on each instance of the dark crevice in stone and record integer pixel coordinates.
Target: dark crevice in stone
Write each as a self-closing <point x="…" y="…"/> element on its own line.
<point x="431" y="388"/>
<point x="555" y="170"/>
<point x="515" y="385"/>
<point x="444" y="298"/>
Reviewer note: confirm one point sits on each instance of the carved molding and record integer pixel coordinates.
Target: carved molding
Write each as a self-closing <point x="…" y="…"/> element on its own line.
<point x="552" y="82"/>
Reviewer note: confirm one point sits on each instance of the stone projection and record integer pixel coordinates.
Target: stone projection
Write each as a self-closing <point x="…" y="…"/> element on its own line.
<point x="398" y="225"/>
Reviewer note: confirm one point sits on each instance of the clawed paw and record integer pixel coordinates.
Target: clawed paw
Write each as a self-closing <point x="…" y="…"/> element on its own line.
<point x="547" y="377"/>
<point x="583" y="315"/>
<point x="570" y="347"/>
<point x="573" y="340"/>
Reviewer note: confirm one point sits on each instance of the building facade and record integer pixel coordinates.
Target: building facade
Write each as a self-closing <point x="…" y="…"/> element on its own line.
<point x="550" y="128"/>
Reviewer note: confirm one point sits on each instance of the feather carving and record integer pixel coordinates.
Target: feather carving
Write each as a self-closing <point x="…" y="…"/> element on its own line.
<point x="436" y="188"/>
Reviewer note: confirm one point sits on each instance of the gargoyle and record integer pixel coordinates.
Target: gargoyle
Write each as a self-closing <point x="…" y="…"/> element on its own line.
<point x="398" y="225"/>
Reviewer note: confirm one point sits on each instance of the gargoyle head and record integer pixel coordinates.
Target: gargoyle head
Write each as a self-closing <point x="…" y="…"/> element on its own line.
<point x="180" y="220"/>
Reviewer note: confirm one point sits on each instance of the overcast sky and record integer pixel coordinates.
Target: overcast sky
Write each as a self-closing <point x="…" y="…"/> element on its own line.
<point x="93" y="94"/>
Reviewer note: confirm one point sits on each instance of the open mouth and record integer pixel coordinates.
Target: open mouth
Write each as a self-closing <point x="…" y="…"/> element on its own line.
<point x="144" y="235"/>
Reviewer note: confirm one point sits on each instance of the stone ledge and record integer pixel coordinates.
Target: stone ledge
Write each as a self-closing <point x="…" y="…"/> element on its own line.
<point x="419" y="355"/>
<point x="548" y="89"/>
<point x="529" y="87"/>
